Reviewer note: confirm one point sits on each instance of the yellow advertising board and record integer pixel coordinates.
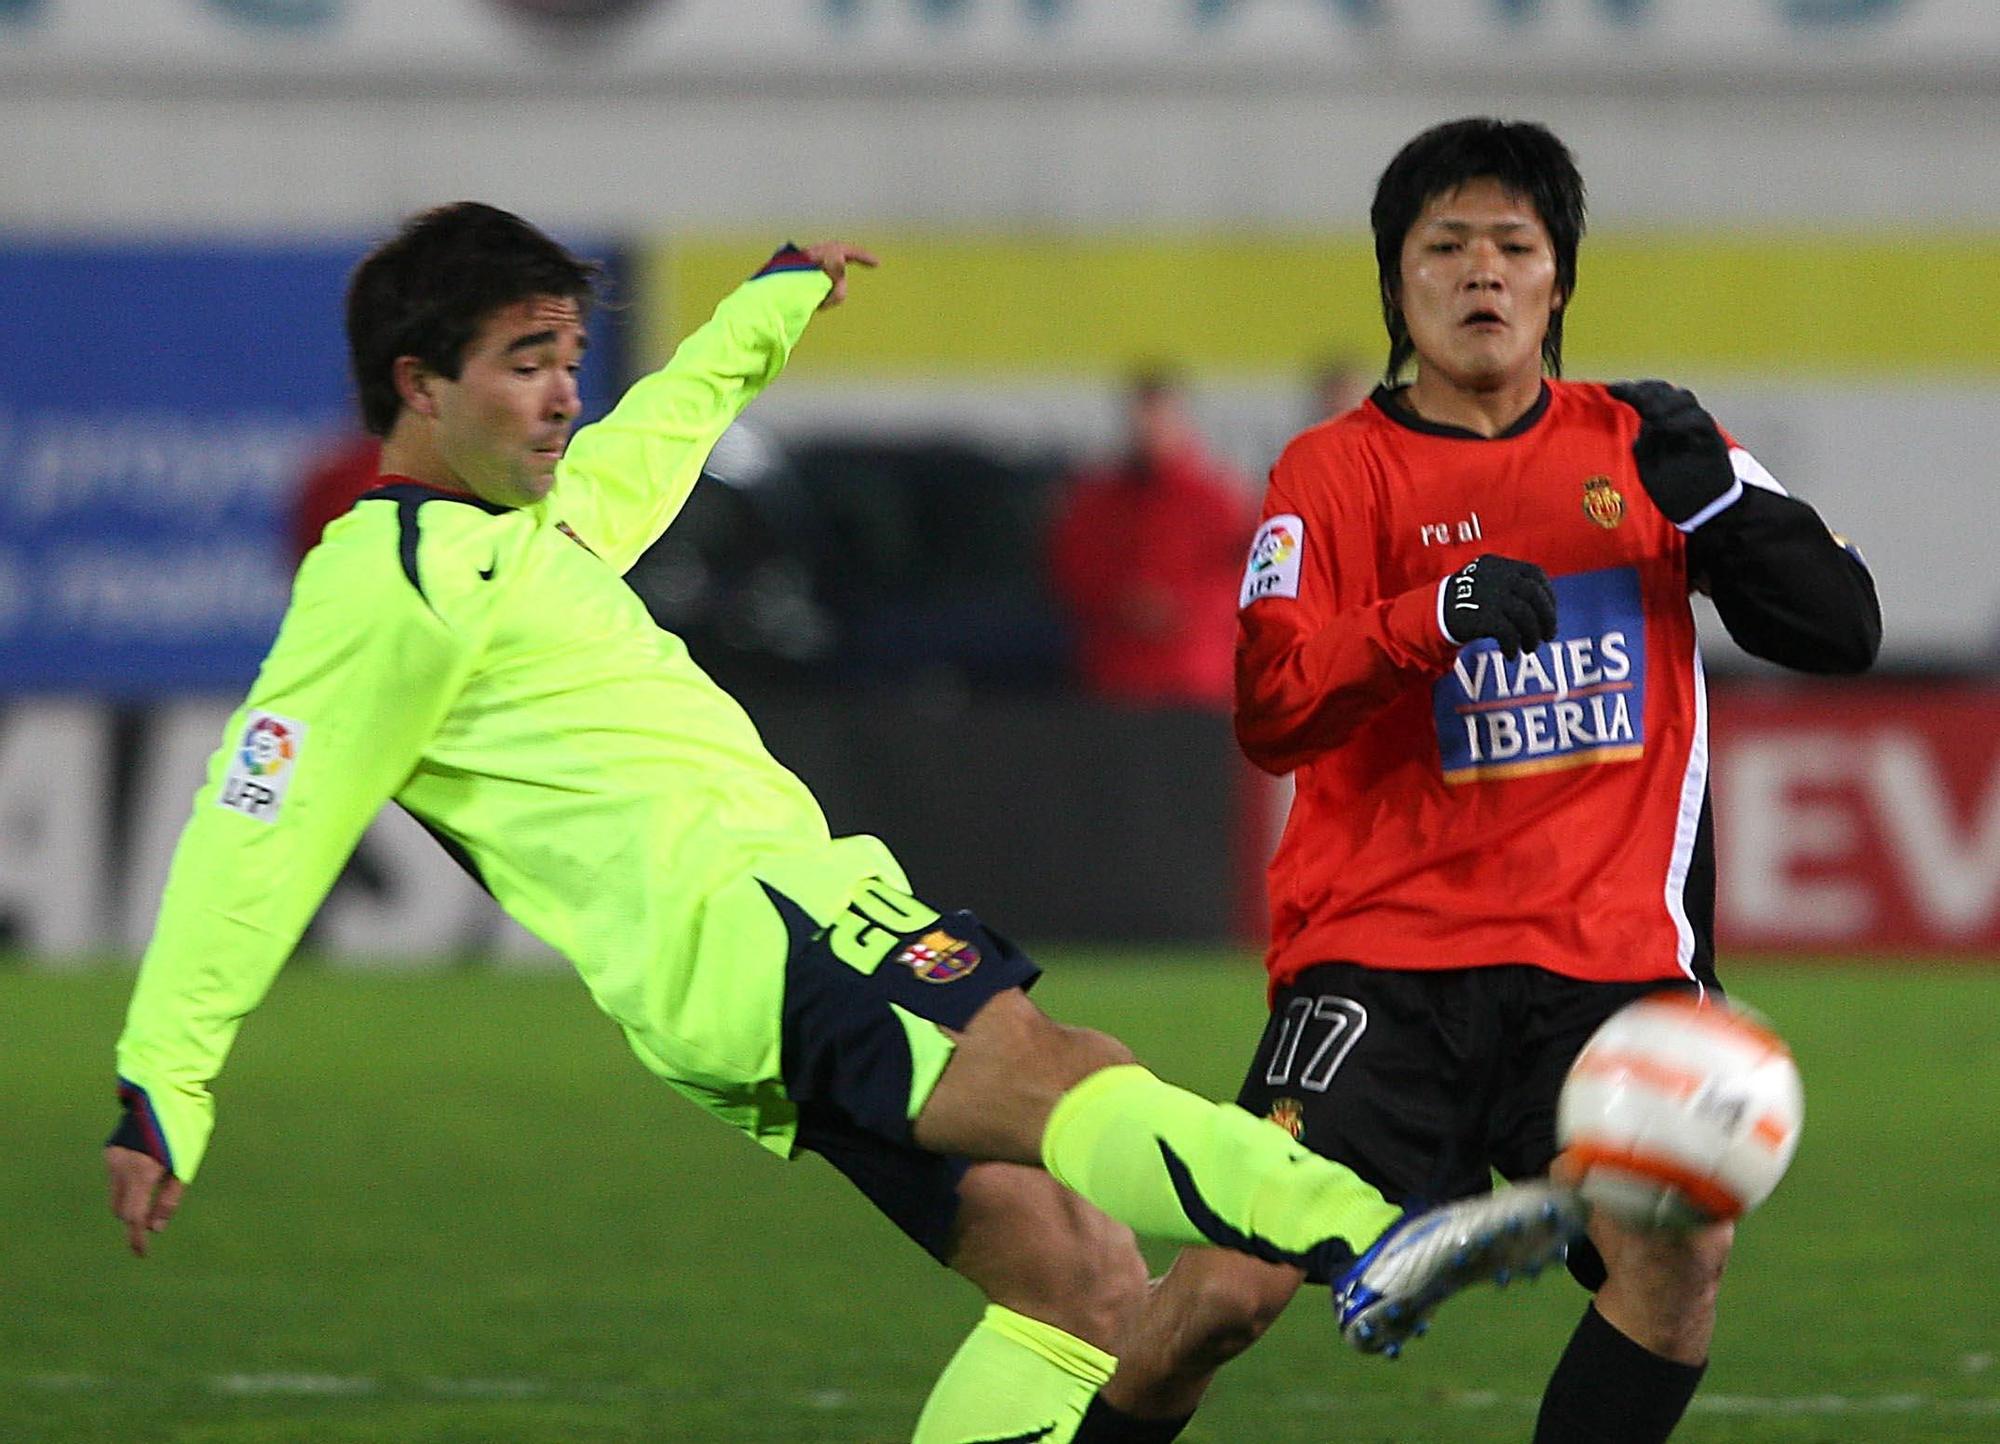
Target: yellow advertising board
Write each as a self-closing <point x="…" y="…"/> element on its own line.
<point x="1791" y="303"/>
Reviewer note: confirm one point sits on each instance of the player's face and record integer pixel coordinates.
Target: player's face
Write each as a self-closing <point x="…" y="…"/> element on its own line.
<point x="1478" y="287"/>
<point x="502" y="426"/>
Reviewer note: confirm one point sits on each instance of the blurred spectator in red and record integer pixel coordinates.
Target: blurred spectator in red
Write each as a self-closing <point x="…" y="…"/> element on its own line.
<point x="1147" y="557"/>
<point x="333" y="482"/>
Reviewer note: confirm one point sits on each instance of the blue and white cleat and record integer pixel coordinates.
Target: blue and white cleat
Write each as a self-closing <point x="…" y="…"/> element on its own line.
<point x="1385" y="1297"/>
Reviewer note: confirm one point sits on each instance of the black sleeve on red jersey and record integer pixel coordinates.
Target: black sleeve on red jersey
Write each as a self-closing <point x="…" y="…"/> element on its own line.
<point x="1787" y="589"/>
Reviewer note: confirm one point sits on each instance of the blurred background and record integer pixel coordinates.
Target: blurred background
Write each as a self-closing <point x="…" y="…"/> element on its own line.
<point x="1121" y="240"/>
<point x="1117" y="237"/>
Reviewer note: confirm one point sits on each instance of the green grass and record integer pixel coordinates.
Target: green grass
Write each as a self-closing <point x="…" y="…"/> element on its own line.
<point x="450" y="1207"/>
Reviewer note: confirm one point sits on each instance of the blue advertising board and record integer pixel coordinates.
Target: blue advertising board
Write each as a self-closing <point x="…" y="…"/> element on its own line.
<point x="159" y="406"/>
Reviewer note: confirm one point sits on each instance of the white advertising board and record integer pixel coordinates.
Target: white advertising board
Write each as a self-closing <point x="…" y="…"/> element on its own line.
<point x="866" y="37"/>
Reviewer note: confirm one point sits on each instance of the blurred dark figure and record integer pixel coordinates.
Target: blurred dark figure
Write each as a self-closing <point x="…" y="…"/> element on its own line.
<point x="1147" y="555"/>
<point x="333" y="482"/>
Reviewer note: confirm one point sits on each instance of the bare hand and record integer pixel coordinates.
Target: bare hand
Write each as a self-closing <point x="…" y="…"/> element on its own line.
<point x="833" y="258"/>
<point x="143" y="1194"/>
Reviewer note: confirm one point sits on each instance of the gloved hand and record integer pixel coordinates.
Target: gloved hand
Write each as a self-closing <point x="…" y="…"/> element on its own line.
<point x="1498" y="597"/>
<point x="1683" y="460"/>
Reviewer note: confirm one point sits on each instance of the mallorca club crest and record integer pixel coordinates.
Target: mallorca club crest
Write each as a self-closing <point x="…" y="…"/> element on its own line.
<point x="938" y="957"/>
<point x="1603" y="503"/>
<point x="1290" y="1115"/>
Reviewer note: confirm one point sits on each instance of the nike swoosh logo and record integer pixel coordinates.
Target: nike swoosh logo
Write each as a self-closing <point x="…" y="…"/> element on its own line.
<point x="1028" y="1438"/>
<point x="486" y="572"/>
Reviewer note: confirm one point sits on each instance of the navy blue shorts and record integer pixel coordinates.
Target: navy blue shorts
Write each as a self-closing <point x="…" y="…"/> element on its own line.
<point x="846" y="1059"/>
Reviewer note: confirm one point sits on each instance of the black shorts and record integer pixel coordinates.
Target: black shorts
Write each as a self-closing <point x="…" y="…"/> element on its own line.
<point x="846" y="1057"/>
<point x="1427" y="1083"/>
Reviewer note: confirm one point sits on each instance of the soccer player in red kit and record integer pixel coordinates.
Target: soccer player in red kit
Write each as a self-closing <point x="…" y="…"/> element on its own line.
<point x="1466" y="631"/>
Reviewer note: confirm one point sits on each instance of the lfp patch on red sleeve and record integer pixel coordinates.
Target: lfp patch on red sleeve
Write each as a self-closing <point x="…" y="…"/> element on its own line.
<point x="1275" y="554"/>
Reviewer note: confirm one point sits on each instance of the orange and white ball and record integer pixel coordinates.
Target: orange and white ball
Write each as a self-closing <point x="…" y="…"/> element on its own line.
<point x="1679" y="1113"/>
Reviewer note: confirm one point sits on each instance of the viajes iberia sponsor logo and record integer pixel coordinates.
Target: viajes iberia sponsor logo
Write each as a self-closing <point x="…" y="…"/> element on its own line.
<point x="1575" y="702"/>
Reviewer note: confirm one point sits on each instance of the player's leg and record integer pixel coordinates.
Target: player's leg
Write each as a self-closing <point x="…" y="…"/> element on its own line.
<point x="1661" y="1285"/>
<point x="1063" y="1283"/>
<point x="1060" y="1278"/>
<point x="856" y="1050"/>
<point x="1178" y="1167"/>
<point x="1636" y="1358"/>
<point x="921" y="1032"/>
<point x="1347" y="1064"/>
<point x="1021" y="1087"/>
<point x="916" y="1026"/>
<point x="1211" y="1306"/>
<point x="1036" y="1248"/>
<point x="1633" y="1363"/>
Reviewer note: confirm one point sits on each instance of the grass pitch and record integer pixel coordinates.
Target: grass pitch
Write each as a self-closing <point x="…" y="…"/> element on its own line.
<point x="450" y="1207"/>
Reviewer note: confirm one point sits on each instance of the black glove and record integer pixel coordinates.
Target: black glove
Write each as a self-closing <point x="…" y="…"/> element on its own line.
<point x="1683" y="460"/>
<point x="1498" y="597"/>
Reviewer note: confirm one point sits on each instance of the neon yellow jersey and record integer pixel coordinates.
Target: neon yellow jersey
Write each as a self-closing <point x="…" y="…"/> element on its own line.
<point x="490" y="670"/>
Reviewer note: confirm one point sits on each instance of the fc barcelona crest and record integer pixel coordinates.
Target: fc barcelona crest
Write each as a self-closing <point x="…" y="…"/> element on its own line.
<point x="1603" y="503"/>
<point x="938" y="957"/>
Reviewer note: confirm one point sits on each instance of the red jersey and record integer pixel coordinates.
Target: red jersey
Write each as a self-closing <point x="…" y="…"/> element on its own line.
<point x="1455" y="808"/>
<point x="1147" y="562"/>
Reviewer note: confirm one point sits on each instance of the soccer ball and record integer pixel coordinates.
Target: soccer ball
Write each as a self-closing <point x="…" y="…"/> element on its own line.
<point x="1678" y="1113"/>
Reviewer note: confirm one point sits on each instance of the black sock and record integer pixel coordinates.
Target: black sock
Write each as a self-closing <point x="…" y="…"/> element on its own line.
<point x="1103" y="1424"/>
<point x="1608" y="1390"/>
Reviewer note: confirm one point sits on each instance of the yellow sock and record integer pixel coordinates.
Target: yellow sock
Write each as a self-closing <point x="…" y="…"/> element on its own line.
<point x="1175" y="1166"/>
<point x="1012" y="1377"/>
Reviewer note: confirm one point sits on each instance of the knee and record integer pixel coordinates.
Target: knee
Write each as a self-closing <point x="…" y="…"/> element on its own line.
<point x="1233" y="1308"/>
<point x="1010" y="1026"/>
<point x="1701" y="1258"/>
<point x="1107" y="1286"/>
<point x="1064" y="1054"/>
<point x="1087" y="1277"/>
<point x="1086" y="1051"/>
<point x="1662" y="1287"/>
<point x="1034" y="1247"/>
<point x="1682" y="1270"/>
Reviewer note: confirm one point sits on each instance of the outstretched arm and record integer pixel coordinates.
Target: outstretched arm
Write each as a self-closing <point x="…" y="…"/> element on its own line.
<point x="625" y="478"/>
<point x="350" y="693"/>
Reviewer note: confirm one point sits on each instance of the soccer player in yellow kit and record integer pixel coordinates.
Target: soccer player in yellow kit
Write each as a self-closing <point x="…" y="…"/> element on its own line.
<point x="463" y="642"/>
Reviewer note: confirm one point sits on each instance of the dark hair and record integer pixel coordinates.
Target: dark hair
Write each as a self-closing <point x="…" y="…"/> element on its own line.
<point x="1525" y="158"/>
<point x="425" y="292"/>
